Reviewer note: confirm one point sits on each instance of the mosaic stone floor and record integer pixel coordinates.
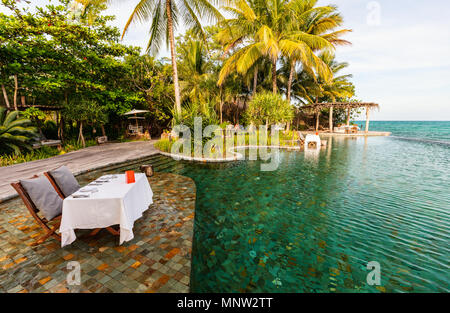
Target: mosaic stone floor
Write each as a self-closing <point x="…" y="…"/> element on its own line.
<point x="158" y="259"/>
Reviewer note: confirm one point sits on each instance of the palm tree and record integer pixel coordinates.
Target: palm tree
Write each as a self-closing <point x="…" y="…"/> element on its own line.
<point x="165" y="16"/>
<point x="15" y="132"/>
<point x="318" y="21"/>
<point x="242" y="27"/>
<point x="90" y="9"/>
<point x="313" y="89"/>
<point x="195" y="71"/>
<point x="339" y="86"/>
<point x="272" y="38"/>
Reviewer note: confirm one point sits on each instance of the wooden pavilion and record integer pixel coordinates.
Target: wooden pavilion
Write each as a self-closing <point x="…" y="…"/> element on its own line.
<point x="318" y="107"/>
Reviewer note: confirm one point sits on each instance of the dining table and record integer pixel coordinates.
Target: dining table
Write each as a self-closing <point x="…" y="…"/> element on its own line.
<point x="105" y="202"/>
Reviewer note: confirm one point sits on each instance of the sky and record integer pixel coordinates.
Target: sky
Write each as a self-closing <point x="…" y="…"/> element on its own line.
<point x="399" y="57"/>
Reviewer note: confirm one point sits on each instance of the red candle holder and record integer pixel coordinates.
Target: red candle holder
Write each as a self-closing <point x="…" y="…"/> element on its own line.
<point x="129" y="175"/>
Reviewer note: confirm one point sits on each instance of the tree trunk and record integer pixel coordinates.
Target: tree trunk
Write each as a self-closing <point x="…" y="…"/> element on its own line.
<point x="16" y="88"/>
<point x="39" y="127"/>
<point x="173" y="55"/>
<point x="348" y="116"/>
<point x="289" y="88"/>
<point x="61" y="128"/>
<point x="221" y="103"/>
<point x="274" y="76"/>
<point x="255" y="80"/>
<point x="80" y="136"/>
<point x="331" y="119"/>
<point x="317" y="115"/>
<point x="103" y="130"/>
<point x="291" y="78"/>
<point x="367" y="119"/>
<point x="5" y="95"/>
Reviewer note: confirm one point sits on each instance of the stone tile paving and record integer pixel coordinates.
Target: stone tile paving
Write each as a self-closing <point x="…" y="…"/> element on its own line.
<point x="158" y="259"/>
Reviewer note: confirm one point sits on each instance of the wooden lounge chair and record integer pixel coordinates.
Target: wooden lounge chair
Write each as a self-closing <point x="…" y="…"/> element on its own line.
<point x="50" y="231"/>
<point x="54" y="184"/>
<point x="60" y="193"/>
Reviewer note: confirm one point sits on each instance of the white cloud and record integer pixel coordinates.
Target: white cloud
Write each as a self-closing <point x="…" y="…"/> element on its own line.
<point x="418" y="46"/>
<point x="403" y="64"/>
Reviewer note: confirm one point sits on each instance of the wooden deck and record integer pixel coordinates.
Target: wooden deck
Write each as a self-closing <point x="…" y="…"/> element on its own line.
<point x="78" y="161"/>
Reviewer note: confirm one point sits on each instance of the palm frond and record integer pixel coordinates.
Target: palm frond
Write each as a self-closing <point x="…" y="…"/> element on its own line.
<point x="141" y="13"/>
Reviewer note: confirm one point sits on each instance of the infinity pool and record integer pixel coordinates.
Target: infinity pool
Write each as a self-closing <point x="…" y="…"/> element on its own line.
<point x="313" y="224"/>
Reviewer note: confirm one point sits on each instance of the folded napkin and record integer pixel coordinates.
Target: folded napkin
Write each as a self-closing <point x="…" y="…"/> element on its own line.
<point x="107" y="177"/>
<point x="102" y="180"/>
<point x="88" y="189"/>
<point x="80" y="196"/>
<point x="96" y="183"/>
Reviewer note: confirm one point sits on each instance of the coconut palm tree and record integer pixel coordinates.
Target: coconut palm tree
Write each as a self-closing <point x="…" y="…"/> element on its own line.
<point x="273" y="38"/>
<point x="242" y="27"/>
<point x="165" y="16"/>
<point x="305" y="16"/>
<point x="339" y="87"/>
<point x="195" y="71"/>
<point x="15" y="132"/>
<point x="310" y="89"/>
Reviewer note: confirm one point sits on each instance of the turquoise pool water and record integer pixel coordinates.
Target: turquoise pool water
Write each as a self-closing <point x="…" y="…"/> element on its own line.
<point x="314" y="223"/>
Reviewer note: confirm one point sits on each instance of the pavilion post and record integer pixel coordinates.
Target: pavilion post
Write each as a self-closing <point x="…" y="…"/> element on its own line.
<point x="367" y="118"/>
<point x="331" y="119"/>
<point x="317" y="120"/>
<point x="348" y="116"/>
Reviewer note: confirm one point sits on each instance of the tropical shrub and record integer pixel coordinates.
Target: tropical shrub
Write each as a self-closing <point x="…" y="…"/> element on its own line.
<point x="42" y="153"/>
<point x="267" y="109"/>
<point x="50" y="129"/>
<point x="164" y="145"/>
<point x="84" y="112"/>
<point x="15" y="132"/>
<point x="204" y="111"/>
<point x="36" y="116"/>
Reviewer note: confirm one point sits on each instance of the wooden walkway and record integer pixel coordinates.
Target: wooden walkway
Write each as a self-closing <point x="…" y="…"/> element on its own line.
<point x="78" y="161"/>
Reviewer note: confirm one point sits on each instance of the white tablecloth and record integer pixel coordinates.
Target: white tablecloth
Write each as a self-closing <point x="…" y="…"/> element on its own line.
<point x="115" y="203"/>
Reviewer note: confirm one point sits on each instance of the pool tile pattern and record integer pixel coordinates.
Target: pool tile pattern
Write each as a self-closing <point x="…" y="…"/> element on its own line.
<point x="158" y="259"/>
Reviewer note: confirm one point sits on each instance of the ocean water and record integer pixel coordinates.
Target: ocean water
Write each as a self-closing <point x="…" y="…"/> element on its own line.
<point x="438" y="132"/>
